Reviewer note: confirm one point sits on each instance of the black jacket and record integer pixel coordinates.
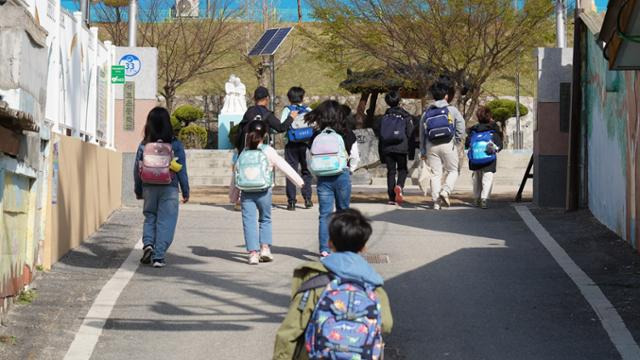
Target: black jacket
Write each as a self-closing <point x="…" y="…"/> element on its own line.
<point x="497" y="139"/>
<point x="258" y="112"/>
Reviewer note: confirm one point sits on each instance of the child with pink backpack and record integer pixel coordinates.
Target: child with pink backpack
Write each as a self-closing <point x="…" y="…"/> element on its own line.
<point x="159" y="172"/>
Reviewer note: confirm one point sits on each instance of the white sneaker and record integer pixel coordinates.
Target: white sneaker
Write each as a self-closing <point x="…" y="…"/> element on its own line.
<point x="436" y="206"/>
<point x="445" y="198"/>
<point x="254" y="258"/>
<point x="265" y="254"/>
<point x="483" y="204"/>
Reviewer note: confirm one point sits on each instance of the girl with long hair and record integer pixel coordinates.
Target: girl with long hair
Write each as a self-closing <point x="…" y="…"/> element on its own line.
<point x="161" y="202"/>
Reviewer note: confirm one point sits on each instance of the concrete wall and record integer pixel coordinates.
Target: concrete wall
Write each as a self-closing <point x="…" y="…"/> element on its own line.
<point x="128" y="140"/>
<point x="86" y="189"/>
<point x="611" y="128"/>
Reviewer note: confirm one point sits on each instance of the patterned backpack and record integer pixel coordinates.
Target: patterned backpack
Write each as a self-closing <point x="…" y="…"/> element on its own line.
<point x="156" y="162"/>
<point x="253" y="172"/>
<point x="328" y="154"/>
<point x="346" y="323"/>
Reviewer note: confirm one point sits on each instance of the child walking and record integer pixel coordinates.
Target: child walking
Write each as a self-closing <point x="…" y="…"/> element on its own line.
<point x="344" y="280"/>
<point x="334" y="155"/>
<point x="160" y="170"/>
<point x="254" y="174"/>
<point x="483" y="142"/>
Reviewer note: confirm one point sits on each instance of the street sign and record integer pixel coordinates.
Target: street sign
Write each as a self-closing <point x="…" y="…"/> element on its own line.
<point x="117" y="74"/>
<point x="129" y="123"/>
<point x="131" y="63"/>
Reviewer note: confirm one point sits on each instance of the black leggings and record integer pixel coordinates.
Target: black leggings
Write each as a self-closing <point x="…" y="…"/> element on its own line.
<point x="393" y="161"/>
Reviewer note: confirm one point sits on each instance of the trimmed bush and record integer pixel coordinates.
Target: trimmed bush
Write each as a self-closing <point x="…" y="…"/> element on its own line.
<point x="187" y="114"/>
<point x="176" y="124"/>
<point x="193" y="136"/>
<point x="504" y="109"/>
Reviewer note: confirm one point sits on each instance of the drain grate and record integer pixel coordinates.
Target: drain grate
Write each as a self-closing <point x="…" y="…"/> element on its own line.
<point x="376" y="258"/>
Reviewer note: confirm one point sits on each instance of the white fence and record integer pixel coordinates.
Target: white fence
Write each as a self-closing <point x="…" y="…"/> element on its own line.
<point x="80" y="97"/>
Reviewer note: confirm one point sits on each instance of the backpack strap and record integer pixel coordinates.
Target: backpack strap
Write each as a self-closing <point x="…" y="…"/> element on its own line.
<point x="316" y="282"/>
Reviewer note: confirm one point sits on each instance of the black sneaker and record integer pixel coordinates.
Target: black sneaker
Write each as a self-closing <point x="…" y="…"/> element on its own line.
<point x="291" y="206"/>
<point x="158" y="263"/>
<point x="308" y="204"/>
<point x="147" y="252"/>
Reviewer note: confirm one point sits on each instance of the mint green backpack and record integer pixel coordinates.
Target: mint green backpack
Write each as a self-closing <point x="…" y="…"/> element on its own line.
<point x="253" y="172"/>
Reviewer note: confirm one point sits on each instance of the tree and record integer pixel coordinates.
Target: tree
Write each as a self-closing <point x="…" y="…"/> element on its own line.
<point x="467" y="41"/>
<point x="505" y="109"/>
<point x="187" y="47"/>
<point x="112" y="15"/>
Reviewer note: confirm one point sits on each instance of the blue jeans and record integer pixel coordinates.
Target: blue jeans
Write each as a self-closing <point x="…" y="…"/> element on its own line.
<point x="256" y="219"/>
<point x="160" y="217"/>
<point x="331" y="189"/>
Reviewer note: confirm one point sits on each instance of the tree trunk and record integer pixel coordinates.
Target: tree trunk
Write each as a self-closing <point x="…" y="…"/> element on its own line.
<point x="371" y="112"/>
<point x="169" y="97"/>
<point x="362" y="105"/>
<point x="299" y="11"/>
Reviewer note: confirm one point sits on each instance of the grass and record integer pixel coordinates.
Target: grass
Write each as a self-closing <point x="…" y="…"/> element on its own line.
<point x="39" y="268"/>
<point x="27" y="297"/>
<point x="8" y="339"/>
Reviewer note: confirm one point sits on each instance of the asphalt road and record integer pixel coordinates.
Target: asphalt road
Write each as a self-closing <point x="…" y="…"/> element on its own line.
<point x="463" y="283"/>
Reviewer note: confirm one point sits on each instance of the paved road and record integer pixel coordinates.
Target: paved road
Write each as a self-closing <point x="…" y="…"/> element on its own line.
<point x="463" y="283"/>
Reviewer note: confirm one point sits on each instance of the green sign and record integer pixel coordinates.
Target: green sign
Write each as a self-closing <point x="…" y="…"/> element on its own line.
<point x="117" y="74"/>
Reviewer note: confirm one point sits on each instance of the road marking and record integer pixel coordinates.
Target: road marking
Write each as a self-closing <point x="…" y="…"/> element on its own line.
<point x="609" y="317"/>
<point x="87" y="336"/>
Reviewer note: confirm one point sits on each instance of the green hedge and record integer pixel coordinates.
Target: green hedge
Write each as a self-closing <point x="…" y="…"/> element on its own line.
<point x="187" y="114"/>
<point x="504" y="109"/>
<point x="193" y="136"/>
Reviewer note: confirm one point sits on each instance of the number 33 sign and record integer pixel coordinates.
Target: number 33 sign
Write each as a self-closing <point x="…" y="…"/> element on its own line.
<point x="131" y="64"/>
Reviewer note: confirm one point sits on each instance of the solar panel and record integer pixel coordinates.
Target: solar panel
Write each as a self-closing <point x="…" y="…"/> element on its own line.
<point x="270" y="41"/>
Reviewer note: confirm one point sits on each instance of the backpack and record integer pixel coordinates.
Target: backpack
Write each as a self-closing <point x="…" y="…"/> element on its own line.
<point x="439" y="124"/>
<point x="253" y="172"/>
<point x="346" y="322"/>
<point x="156" y="160"/>
<point x="300" y="131"/>
<point x="328" y="154"/>
<point x="393" y="128"/>
<point x="477" y="152"/>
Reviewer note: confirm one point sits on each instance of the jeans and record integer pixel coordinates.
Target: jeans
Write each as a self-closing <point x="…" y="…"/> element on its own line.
<point x="331" y="189"/>
<point x="482" y="184"/>
<point x="160" y="217"/>
<point x="256" y="219"/>
<point x="296" y="153"/>
<point x="438" y="157"/>
<point x="393" y="161"/>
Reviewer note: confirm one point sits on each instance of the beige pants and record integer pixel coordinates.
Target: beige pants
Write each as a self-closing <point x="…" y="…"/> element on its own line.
<point x="442" y="157"/>
<point x="482" y="184"/>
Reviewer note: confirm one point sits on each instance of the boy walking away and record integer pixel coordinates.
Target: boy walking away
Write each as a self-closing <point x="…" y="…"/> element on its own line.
<point x="396" y="128"/>
<point x="338" y="308"/>
<point x="441" y="130"/>
<point x="295" y="151"/>
<point x="259" y="111"/>
<point x="484" y="141"/>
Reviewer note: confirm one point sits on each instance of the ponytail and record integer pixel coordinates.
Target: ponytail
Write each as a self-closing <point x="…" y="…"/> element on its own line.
<point x="255" y="134"/>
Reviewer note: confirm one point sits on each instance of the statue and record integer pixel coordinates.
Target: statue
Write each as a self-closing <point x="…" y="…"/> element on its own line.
<point x="235" y="102"/>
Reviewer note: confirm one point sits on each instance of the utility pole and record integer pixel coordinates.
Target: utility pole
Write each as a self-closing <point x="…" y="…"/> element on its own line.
<point x="561" y="24"/>
<point x="133" y="23"/>
<point x="519" y="143"/>
<point x="85" y="10"/>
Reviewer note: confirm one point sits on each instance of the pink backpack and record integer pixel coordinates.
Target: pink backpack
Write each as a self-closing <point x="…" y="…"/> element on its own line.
<point x="156" y="159"/>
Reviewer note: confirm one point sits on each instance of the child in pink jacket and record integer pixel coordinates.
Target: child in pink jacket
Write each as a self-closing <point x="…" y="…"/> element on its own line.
<point x="257" y="229"/>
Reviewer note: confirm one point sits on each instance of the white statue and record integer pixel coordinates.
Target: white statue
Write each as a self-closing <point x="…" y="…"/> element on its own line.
<point x="235" y="102"/>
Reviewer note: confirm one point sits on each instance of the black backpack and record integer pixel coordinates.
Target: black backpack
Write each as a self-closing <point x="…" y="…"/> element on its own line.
<point x="393" y="128"/>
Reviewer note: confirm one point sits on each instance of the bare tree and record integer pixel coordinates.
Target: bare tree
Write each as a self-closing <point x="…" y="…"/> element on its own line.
<point x="187" y="47"/>
<point x="466" y="40"/>
<point x="299" y="11"/>
<point x="111" y="16"/>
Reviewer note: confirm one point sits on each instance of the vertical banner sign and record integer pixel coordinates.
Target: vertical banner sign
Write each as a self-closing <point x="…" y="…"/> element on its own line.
<point x="129" y="105"/>
<point x="56" y="173"/>
<point x="101" y="103"/>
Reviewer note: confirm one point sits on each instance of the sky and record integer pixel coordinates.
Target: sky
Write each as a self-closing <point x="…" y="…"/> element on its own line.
<point x="287" y="9"/>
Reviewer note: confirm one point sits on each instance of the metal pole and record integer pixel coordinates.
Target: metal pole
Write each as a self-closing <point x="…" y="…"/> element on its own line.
<point x="272" y="59"/>
<point x="133" y="22"/>
<point x="83" y="10"/>
<point x="518" y="131"/>
<point x="561" y="27"/>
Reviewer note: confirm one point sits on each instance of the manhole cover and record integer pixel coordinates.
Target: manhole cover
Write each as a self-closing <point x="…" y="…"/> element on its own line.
<point x="376" y="258"/>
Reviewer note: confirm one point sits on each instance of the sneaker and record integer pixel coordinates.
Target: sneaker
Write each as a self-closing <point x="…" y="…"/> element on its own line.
<point x="391" y="202"/>
<point x="291" y="206"/>
<point x="444" y="196"/>
<point x="237" y="207"/>
<point x="159" y="263"/>
<point x="436" y="205"/>
<point x="308" y="204"/>
<point x="147" y="252"/>
<point x="399" y="195"/>
<point x="476" y="203"/>
<point x="265" y="254"/>
<point x="254" y="258"/>
<point x="483" y="204"/>
<point x="324" y="254"/>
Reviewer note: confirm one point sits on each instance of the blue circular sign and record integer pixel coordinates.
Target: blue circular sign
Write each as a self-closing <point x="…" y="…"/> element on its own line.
<point x="132" y="64"/>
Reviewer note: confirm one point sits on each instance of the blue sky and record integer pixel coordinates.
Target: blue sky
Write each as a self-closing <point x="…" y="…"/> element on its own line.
<point x="287" y="9"/>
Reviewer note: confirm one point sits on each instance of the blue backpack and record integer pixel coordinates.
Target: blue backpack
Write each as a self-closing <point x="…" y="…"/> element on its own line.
<point x="346" y="323"/>
<point x="439" y="124"/>
<point x="300" y="131"/>
<point x="478" y="153"/>
<point x="393" y="128"/>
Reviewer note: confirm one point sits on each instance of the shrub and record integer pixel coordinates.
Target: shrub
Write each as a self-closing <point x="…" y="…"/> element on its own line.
<point x="233" y="133"/>
<point x="176" y="124"/>
<point x="193" y="136"/>
<point x="187" y="114"/>
<point x="504" y="109"/>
